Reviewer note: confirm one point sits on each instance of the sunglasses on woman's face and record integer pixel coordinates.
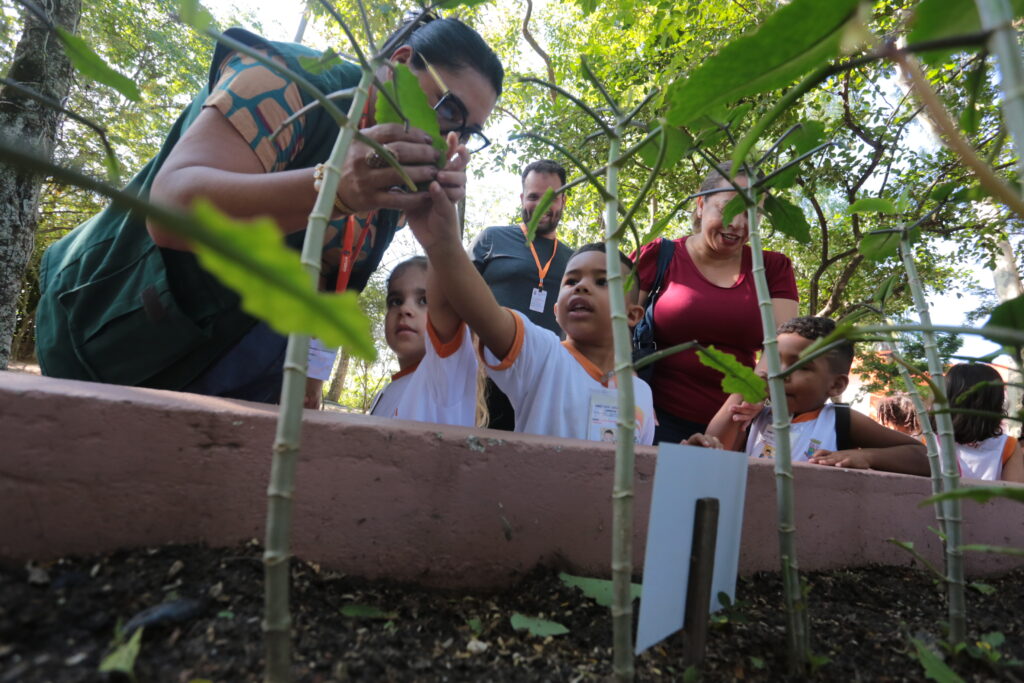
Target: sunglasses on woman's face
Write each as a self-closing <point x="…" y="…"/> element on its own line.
<point x="452" y="115"/>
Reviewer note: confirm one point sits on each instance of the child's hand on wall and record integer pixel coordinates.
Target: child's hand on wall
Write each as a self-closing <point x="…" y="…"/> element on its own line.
<point x="704" y="441"/>
<point x="855" y="459"/>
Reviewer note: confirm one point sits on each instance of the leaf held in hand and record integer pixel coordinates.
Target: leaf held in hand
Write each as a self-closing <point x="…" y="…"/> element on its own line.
<point x="405" y="89"/>
<point x="91" y="65"/>
<point x="252" y="259"/>
<point x="788" y="218"/>
<point x="738" y="378"/>
<point x="537" y="627"/>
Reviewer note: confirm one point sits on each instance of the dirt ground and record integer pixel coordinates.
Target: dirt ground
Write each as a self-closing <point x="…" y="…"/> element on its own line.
<point x="57" y="622"/>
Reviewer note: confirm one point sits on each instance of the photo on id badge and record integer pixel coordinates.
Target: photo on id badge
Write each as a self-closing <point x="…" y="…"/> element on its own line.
<point x="604" y="415"/>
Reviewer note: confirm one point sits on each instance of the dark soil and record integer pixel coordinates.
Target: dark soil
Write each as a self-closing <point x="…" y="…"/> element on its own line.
<point x="57" y="622"/>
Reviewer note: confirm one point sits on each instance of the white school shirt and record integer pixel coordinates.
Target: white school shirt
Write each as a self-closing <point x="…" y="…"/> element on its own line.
<point x="807" y="433"/>
<point x="441" y="388"/>
<point x="985" y="459"/>
<point x="557" y="391"/>
<point x="319" y="360"/>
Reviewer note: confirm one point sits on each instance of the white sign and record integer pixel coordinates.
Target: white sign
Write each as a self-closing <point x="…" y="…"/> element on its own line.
<point x="683" y="475"/>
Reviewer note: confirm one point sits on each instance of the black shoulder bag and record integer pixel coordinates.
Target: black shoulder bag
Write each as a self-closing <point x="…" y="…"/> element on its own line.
<point x="643" y="333"/>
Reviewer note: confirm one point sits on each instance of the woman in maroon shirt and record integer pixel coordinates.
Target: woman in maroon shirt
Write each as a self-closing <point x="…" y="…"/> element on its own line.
<point x="708" y="295"/>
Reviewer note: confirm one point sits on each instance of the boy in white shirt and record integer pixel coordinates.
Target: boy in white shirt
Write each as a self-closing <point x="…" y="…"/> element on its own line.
<point x="820" y="432"/>
<point x="557" y="388"/>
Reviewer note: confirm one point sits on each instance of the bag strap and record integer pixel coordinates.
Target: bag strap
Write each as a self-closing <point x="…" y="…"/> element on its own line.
<point x="666" y="248"/>
<point x="843" y="427"/>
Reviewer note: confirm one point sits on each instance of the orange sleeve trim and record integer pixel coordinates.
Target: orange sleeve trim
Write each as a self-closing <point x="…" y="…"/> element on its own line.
<point x="445" y="349"/>
<point x="402" y="373"/>
<point x="517" y="345"/>
<point x="1009" y="448"/>
<point x="806" y="417"/>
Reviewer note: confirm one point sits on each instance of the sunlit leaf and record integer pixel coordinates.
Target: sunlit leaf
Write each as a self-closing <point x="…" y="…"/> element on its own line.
<point x="872" y="205"/>
<point x="676" y="144"/>
<point x="885" y="290"/>
<point x="787" y="218"/>
<point x="367" y="612"/>
<point x="807" y="137"/>
<point x="318" y="65"/>
<point x="738" y="378"/>
<point x="452" y="4"/>
<point x="798" y="37"/>
<point x="194" y="14"/>
<point x="405" y="87"/>
<point x="253" y="260"/>
<point x="942" y="192"/>
<point x="91" y="65"/>
<point x="538" y="213"/>
<point x="598" y="590"/>
<point x="934" y="19"/>
<point x="1008" y="314"/>
<point x="980" y="494"/>
<point x="973" y="193"/>
<point x="537" y="627"/>
<point x="878" y="246"/>
<point x="122" y="659"/>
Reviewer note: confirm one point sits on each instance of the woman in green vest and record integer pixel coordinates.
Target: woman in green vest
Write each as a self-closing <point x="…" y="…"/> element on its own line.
<point x="123" y="302"/>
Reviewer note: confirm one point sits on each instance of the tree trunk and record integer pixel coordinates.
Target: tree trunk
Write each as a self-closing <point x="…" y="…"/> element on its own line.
<point x="1008" y="286"/>
<point x="40" y="64"/>
<point x="338" y="377"/>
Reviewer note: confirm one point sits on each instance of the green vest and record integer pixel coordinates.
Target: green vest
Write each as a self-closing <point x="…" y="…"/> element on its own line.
<point x="116" y="308"/>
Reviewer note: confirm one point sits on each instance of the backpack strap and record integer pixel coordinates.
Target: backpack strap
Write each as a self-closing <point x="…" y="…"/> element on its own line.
<point x="666" y="248"/>
<point x="843" y="427"/>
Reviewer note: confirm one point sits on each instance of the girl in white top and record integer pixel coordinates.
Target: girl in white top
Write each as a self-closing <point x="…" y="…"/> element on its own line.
<point x="437" y="377"/>
<point x="983" y="451"/>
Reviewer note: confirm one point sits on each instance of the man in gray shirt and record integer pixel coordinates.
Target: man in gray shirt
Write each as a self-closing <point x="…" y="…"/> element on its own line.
<point x="525" y="276"/>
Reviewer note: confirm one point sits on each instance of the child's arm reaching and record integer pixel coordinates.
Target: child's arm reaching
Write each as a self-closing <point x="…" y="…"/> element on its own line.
<point x="877" y="448"/>
<point x="436" y="227"/>
<point x="1013" y="468"/>
<point x="730" y="423"/>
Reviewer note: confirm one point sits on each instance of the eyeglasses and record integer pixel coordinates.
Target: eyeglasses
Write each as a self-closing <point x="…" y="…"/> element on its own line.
<point x="452" y="115"/>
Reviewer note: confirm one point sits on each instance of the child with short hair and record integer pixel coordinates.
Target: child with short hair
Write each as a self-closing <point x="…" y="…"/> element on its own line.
<point x="436" y="381"/>
<point x="820" y="432"/>
<point x="557" y="388"/>
<point x="982" y="449"/>
<point x="898" y="412"/>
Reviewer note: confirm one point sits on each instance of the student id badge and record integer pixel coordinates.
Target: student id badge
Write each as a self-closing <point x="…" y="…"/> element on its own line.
<point x="604" y="417"/>
<point x="537" y="300"/>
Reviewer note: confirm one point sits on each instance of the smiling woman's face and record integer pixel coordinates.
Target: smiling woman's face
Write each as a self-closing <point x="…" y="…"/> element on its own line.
<point x="722" y="239"/>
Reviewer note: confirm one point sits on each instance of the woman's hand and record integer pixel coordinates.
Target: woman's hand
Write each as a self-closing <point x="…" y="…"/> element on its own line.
<point x="364" y="187"/>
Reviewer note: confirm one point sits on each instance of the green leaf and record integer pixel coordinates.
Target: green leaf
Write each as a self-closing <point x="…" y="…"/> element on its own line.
<point x="1008" y="314"/>
<point x="981" y="494"/>
<point x="738" y="378"/>
<point x="798" y="37"/>
<point x="538" y="213"/>
<point x="872" y="205"/>
<point x="91" y="65"/>
<point x="318" y="65"/>
<point x="935" y="19"/>
<point x="942" y="192"/>
<point x="997" y="549"/>
<point x="367" y="612"/>
<point x="598" y="590"/>
<point x="973" y="193"/>
<point x="878" y="246"/>
<point x="677" y="143"/>
<point x="733" y="208"/>
<point x="983" y="588"/>
<point x="788" y="218"/>
<point x="195" y="15"/>
<point x="405" y="88"/>
<point x="970" y="117"/>
<point x="452" y="4"/>
<point x="252" y="259"/>
<point x="934" y="668"/>
<point x="475" y="625"/>
<point x="122" y="659"/>
<point x="537" y="627"/>
<point x="807" y="137"/>
<point x="885" y="290"/>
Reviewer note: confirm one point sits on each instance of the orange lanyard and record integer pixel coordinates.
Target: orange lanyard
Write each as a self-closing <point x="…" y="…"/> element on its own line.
<point x="349" y="255"/>
<point x="541" y="271"/>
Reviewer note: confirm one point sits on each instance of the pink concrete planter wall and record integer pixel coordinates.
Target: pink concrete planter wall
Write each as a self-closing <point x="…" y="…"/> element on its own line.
<point x="89" y="467"/>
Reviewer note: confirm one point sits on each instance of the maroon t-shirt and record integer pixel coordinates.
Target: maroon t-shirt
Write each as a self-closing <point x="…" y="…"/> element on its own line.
<point x="690" y="307"/>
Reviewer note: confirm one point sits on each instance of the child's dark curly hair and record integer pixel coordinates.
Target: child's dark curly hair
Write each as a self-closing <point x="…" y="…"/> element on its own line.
<point x="897" y="411"/>
<point x="814" y="327"/>
<point x="975" y="386"/>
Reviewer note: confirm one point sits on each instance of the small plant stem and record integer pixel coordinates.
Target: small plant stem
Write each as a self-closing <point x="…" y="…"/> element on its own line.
<point x="930" y="442"/>
<point x="649" y="182"/>
<point x="947" y="454"/>
<point x="997" y="16"/>
<point x="622" y="492"/>
<point x="277" y="618"/>
<point x="796" y="609"/>
<point x="575" y="100"/>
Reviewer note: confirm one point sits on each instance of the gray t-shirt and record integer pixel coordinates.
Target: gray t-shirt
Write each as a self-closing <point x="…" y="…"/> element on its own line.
<point x="502" y="256"/>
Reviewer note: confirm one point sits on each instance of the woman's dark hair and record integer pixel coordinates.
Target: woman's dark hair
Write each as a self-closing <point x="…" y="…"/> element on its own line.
<point x="975" y="386"/>
<point x="447" y="43"/>
<point x="419" y="261"/>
